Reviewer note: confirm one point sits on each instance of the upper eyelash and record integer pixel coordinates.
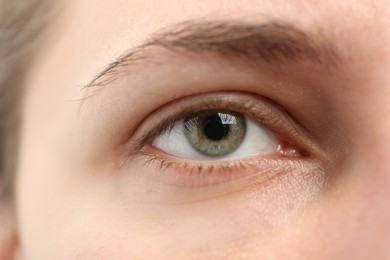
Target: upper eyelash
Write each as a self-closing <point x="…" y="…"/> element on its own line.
<point x="189" y="126"/>
<point x="167" y="123"/>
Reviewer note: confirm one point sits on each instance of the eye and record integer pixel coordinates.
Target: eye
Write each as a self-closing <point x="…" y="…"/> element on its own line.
<point x="220" y="127"/>
<point x="226" y="137"/>
<point x="217" y="135"/>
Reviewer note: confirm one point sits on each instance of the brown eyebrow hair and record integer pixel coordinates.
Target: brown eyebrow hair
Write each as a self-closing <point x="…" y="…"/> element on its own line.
<point x="274" y="43"/>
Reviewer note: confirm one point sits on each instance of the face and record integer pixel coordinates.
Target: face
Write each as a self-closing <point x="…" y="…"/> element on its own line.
<point x="208" y="129"/>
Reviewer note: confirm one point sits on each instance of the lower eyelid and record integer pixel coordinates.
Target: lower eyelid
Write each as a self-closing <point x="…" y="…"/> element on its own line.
<point x="177" y="183"/>
<point x="186" y="173"/>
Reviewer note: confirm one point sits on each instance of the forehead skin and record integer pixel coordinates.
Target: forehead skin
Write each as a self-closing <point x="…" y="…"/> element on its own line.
<point x="66" y="197"/>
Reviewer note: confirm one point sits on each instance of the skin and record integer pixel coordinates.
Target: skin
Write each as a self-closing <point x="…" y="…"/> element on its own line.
<point x="75" y="201"/>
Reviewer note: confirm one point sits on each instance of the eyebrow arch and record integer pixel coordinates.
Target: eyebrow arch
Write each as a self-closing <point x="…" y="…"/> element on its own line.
<point x="274" y="43"/>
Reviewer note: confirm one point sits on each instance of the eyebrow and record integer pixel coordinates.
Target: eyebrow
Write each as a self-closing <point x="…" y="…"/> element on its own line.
<point x="275" y="43"/>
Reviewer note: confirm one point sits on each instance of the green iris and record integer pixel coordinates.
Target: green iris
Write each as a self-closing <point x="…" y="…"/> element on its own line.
<point x="214" y="132"/>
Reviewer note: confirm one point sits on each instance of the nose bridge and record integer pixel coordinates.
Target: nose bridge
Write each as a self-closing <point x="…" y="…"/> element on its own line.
<point x="362" y="100"/>
<point x="373" y="110"/>
<point x="368" y="172"/>
<point x="368" y="102"/>
<point x="369" y="123"/>
<point x="365" y="96"/>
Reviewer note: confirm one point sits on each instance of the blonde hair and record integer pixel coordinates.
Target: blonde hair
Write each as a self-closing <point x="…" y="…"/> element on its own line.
<point x="21" y="22"/>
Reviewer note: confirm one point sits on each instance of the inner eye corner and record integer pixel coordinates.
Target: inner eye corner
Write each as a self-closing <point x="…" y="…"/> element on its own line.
<point x="290" y="150"/>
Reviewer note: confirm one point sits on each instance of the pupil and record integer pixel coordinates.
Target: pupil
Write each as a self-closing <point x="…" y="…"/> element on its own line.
<point x="214" y="129"/>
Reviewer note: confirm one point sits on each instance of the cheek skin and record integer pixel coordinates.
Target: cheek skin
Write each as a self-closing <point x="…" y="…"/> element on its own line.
<point x="128" y="226"/>
<point x="351" y="222"/>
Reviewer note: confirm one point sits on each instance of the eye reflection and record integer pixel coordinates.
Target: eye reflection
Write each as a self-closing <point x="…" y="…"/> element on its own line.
<point x="215" y="133"/>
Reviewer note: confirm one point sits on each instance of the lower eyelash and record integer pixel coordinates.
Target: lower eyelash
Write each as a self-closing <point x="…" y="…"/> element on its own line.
<point x="196" y="174"/>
